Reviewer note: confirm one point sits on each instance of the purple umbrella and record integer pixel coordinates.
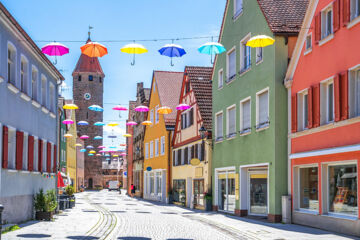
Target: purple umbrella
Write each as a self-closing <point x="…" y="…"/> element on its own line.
<point x="182" y="107"/>
<point x="141" y="109"/>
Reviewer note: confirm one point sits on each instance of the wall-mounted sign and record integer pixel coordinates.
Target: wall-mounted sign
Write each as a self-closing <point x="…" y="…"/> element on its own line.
<point x="148" y="169"/>
<point x="195" y="161"/>
<point x="125" y="173"/>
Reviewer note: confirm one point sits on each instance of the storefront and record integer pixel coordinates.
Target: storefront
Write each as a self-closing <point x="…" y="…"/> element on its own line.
<point x="225" y="187"/>
<point x="179" y="191"/>
<point x="155" y="185"/>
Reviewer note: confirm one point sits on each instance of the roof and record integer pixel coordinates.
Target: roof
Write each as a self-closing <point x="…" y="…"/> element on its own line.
<point x="284" y="16"/>
<point x="200" y="80"/>
<point x="30" y="41"/>
<point x="169" y="87"/>
<point x="88" y="64"/>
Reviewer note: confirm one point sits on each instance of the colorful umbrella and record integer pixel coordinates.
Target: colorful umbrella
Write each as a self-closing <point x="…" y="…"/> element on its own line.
<point x="60" y="180"/>
<point x="78" y="145"/>
<point x="55" y="49"/>
<point x="99" y="124"/>
<point x="146" y="123"/>
<point x="98" y="154"/>
<point x="127" y="135"/>
<point x="141" y="109"/>
<point x="84" y="137"/>
<point x="92" y="151"/>
<point x="96" y="108"/>
<point x="102" y="151"/>
<point x="83" y="150"/>
<point x="112" y="124"/>
<point x="260" y="41"/>
<point x="133" y="48"/>
<point x="68" y="135"/>
<point x="98" y="138"/>
<point x="68" y="121"/>
<point x="89" y="146"/>
<point x="112" y="147"/>
<point x="119" y="108"/>
<point x="123" y="145"/>
<point x="182" y="107"/>
<point x="83" y="123"/>
<point x="107" y="155"/>
<point x="131" y="123"/>
<point x="211" y="48"/>
<point x="172" y="50"/>
<point x="94" y="49"/>
<point x="164" y="110"/>
<point x="70" y="106"/>
<point x="122" y="154"/>
<point x="115" y="155"/>
<point x="90" y="154"/>
<point x="112" y="136"/>
<point x="101" y="147"/>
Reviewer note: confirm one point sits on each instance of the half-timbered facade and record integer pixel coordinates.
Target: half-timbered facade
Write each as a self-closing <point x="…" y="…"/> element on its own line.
<point x="191" y="178"/>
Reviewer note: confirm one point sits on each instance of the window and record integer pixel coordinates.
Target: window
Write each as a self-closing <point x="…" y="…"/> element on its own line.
<point x="146" y="150"/>
<point x="52" y="97"/>
<point x="245" y="116"/>
<point x="34" y="79"/>
<point x="245" y="54"/>
<point x="326" y="22"/>
<point x="231" y="121"/>
<point x="219" y="126"/>
<point x="309" y="195"/>
<point x="354" y="9"/>
<point x="11" y="148"/>
<point x="151" y="149"/>
<point x="183" y="151"/>
<point x="262" y="112"/>
<point x="327" y="102"/>
<point x="43" y="90"/>
<point x="343" y="189"/>
<point x="302" y="110"/>
<point x="91" y="77"/>
<point x="259" y="54"/>
<point x="179" y="191"/>
<point x="156" y="147"/>
<point x="175" y="158"/>
<point x="11" y="60"/>
<point x="238" y="7"/>
<point x="158" y="183"/>
<point x="187" y="87"/>
<point x="187" y="118"/>
<point x="189" y="155"/>
<point x="24" y="75"/>
<point x="231" y="65"/>
<point x="156" y="114"/>
<point x="308" y="43"/>
<point x="220" y="78"/>
<point x="79" y="78"/>
<point x="151" y="115"/>
<point x="162" y="146"/>
<point x="152" y="183"/>
<point x="354" y="93"/>
<point x="100" y="79"/>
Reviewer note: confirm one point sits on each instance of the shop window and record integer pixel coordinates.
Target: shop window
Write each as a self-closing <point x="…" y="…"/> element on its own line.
<point x="199" y="192"/>
<point x="326" y="22"/>
<point x="158" y="183"/>
<point x="354" y="93"/>
<point x="220" y="78"/>
<point x="245" y="55"/>
<point x="262" y="109"/>
<point x="231" y="122"/>
<point x="245" y="116"/>
<point x="309" y="195"/>
<point x="226" y="191"/>
<point x="179" y="193"/>
<point x="343" y="189"/>
<point x="354" y="9"/>
<point x="219" y="126"/>
<point x="231" y="64"/>
<point x="302" y="110"/>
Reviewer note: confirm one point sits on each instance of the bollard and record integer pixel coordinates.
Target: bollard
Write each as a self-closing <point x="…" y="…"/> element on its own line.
<point x="1" y="210"/>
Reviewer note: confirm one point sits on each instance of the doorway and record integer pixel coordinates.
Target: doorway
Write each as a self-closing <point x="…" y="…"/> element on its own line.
<point x="90" y="183"/>
<point x="226" y="191"/>
<point x="258" y="193"/>
<point x="199" y="192"/>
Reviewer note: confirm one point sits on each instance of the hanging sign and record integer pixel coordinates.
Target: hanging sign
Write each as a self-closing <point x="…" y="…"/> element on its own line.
<point x="195" y="161"/>
<point x="148" y="169"/>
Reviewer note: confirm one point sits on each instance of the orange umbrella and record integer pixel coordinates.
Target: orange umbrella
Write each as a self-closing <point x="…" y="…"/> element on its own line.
<point x="94" y="49"/>
<point x="164" y="110"/>
<point x="146" y="123"/>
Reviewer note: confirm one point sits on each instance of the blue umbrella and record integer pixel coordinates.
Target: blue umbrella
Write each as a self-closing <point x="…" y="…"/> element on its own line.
<point x="112" y="136"/>
<point x="89" y="146"/>
<point x="98" y="138"/>
<point x="90" y="154"/>
<point x="172" y="50"/>
<point x="107" y="155"/>
<point x="112" y="147"/>
<point x="99" y="124"/>
<point x="211" y="48"/>
<point x="82" y="150"/>
<point x="96" y="108"/>
<point x="83" y="123"/>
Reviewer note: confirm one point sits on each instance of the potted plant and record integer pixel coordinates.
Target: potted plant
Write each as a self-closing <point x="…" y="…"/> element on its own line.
<point x="70" y="192"/>
<point x="45" y="204"/>
<point x="208" y="201"/>
<point x="182" y="197"/>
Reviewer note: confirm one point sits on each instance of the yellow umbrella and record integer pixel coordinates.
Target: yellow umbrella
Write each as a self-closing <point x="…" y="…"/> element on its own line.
<point x="146" y="123"/>
<point x="127" y="135"/>
<point x="133" y="48"/>
<point x="112" y="124"/>
<point x="70" y="106"/>
<point x="115" y="155"/>
<point x="164" y="110"/>
<point x="260" y="41"/>
<point x="92" y="151"/>
<point x="68" y="135"/>
<point x="94" y="49"/>
<point x="78" y="145"/>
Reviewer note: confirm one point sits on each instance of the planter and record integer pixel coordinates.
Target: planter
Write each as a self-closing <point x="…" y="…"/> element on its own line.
<point x="208" y="204"/>
<point x="72" y="201"/>
<point x="47" y="216"/>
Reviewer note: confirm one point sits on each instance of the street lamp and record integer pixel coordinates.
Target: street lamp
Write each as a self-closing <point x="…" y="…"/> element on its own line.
<point x="202" y="132"/>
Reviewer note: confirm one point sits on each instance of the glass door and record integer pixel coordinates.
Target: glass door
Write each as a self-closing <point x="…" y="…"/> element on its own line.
<point x="222" y="191"/>
<point x="258" y="193"/>
<point x="199" y="192"/>
<point x="226" y="191"/>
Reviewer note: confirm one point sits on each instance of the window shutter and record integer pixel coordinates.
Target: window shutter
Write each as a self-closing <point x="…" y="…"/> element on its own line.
<point x="336" y="15"/>
<point x="346" y="12"/>
<point x="344" y="96"/>
<point x="179" y="157"/>
<point x="186" y="155"/>
<point x="317" y="28"/>
<point x="196" y="150"/>
<point x="310" y="109"/>
<point x="5" y="147"/>
<point x="294" y="113"/>
<point x="48" y="157"/>
<point x="54" y="160"/>
<point x="174" y="153"/>
<point x="31" y="153"/>
<point x="316" y="105"/>
<point x="40" y="155"/>
<point x="19" y="149"/>
<point x="202" y="151"/>
<point x="337" y="97"/>
<point x="191" y="116"/>
<point x="192" y="151"/>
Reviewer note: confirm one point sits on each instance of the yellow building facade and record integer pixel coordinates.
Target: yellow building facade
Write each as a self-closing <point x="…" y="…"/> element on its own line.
<point x="158" y="136"/>
<point x="71" y="149"/>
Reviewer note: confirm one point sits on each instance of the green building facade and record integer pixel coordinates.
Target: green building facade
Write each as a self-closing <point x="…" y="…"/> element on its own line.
<point x="62" y="142"/>
<point x="250" y="107"/>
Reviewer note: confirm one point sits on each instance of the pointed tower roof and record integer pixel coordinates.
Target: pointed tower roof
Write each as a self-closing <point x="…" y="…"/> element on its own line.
<point x="88" y="64"/>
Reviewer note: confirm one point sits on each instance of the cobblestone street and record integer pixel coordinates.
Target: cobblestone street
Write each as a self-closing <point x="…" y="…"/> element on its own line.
<point x="108" y="215"/>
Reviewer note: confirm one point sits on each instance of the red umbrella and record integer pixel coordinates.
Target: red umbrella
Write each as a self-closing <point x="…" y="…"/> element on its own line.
<point x="60" y="182"/>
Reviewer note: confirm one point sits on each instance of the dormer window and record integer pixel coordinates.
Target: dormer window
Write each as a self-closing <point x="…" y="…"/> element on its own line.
<point x="91" y="77"/>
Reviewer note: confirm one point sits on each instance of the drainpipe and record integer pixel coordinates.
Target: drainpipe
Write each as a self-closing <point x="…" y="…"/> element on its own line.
<point x="169" y="165"/>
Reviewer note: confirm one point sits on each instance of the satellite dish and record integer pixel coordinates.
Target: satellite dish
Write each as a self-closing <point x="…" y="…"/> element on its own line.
<point x="148" y="169"/>
<point x="195" y="161"/>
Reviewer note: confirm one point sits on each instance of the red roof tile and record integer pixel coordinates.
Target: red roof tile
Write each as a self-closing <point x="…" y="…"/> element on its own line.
<point x="88" y="64"/>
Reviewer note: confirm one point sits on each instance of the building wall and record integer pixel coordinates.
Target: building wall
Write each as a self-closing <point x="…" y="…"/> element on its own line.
<point x="80" y="165"/>
<point x="71" y="152"/>
<point x="62" y="149"/>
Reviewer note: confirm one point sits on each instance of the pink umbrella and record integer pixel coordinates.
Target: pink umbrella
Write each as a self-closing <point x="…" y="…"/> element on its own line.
<point x="141" y="109"/>
<point x="84" y="137"/>
<point x="131" y="123"/>
<point x="68" y="121"/>
<point x="111" y="151"/>
<point x="182" y="106"/>
<point x="55" y="49"/>
<point x="98" y="154"/>
<point x="122" y="154"/>
<point x="102" y="151"/>
<point x="102" y="147"/>
<point x="119" y="108"/>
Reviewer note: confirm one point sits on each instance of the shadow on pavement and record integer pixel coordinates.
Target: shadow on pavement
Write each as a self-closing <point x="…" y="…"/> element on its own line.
<point x="142" y="212"/>
<point x="118" y="211"/>
<point x="179" y="239"/>
<point x="134" y="238"/>
<point x="82" y="237"/>
<point x="168" y="213"/>
<point x="34" y="235"/>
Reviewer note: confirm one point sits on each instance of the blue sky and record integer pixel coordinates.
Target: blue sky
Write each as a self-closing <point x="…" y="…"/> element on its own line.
<point x="64" y="20"/>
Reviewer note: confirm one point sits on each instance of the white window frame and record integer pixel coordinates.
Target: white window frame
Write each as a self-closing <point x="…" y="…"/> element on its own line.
<point x="52" y="94"/>
<point x="228" y="77"/>
<point x="24" y="73"/>
<point x="12" y="61"/>
<point x="324" y="21"/>
<point x="238" y="12"/>
<point x="151" y="150"/>
<point x="267" y="89"/>
<point x="324" y="103"/>
<point x="162" y="145"/>
<point x="157" y="116"/>
<point x="352" y="86"/>
<point x="146" y="150"/>
<point x="25" y="163"/>
<point x="228" y="122"/>
<point x="354" y="9"/>
<point x="35" y="92"/>
<point x="259" y="58"/>
<point x="44" y="95"/>
<point x="11" y="148"/>
<point x="156" y="147"/>
<point x="152" y="116"/>
<point x="220" y="78"/>
<point x="308" y="49"/>
<point x="216" y="126"/>
<point x="242" y="47"/>
<point x="301" y="108"/>
<point x="242" y="131"/>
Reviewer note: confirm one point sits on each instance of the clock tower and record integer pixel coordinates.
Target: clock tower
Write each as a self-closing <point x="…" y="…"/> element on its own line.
<point x="88" y="88"/>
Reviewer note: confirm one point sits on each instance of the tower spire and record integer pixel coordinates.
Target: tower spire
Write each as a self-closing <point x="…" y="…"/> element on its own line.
<point x="89" y="33"/>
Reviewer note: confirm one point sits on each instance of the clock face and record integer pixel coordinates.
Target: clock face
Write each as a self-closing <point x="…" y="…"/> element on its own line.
<point x="87" y="96"/>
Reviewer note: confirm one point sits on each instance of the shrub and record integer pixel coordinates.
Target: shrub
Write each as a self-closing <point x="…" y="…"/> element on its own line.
<point x="39" y="201"/>
<point x="50" y="200"/>
<point x="69" y="190"/>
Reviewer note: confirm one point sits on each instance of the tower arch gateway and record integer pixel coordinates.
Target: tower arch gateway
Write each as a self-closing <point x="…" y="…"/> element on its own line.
<point x="88" y="88"/>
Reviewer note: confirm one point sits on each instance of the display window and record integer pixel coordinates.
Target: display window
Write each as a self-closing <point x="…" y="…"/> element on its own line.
<point x="179" y="191"/>
<point x="226" y="191"/>
<point x="309" y="185"/>
<point x="258" y="193"/>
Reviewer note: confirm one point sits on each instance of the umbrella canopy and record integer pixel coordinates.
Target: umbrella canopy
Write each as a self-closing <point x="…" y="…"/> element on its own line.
<point x="90" y="154"/>
<point x="122" y="154"/>
<point x="83" y="123"/>
<point x="127" y="135"/>
<point x="172" y="50"/>
<point x="70" y="106"/>
<point x="182" y="107"/>
<point x="89" y="146"/>
<point x="260" y="41"/>
<point x="123" y="145"/>
<point x="102" y="151"/>
<point x="60" y="181"/>
<point x="96" y="108"/>
<point x="146" y="123"/>
<point x="112" y="147"/>
<point x="92" y="151"/>
<point x="115" y="155"/>
<point x="164" y="110"/>
<point x="68" y="121"/>
<point x="78" y="145"/>
<point x="141" y="109"/>
<point x="84" y="137"/>
<point x="83" y="150"/>
<point x="94" y="49"/>
<point x="131" y="123"/>
<point x="101" y="147"/>
<point x="112" y="136"/>
<point x="119" y="108"/>
<point x="98" y="154"/>
<point x="68" y="135"/>
<point x="99" y="124"/>
<point x="133" y="48"/>
<point x="98" y="138"/>
<point x="211" y="48"/>
<point x="55" y="49"/>
<point x="112" y="124"/>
